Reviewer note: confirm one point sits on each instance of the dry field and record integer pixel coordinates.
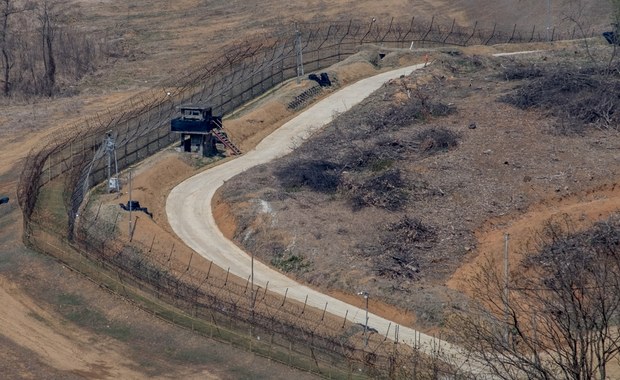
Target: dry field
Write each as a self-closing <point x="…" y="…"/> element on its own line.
<point x="55" y="324"/>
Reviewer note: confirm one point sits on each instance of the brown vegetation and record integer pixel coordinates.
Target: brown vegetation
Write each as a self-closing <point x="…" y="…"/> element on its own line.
<point x="556" y="314"/>
<point x="146" y="40"/>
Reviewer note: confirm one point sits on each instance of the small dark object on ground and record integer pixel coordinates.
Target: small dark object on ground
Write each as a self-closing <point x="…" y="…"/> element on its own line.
<point x="135" y="206"/>
<point x="611" y="38"/>
<point x="4" y="200"/>
<point x="322" y="79"/>
<point x="472" y="126"/>
<point x="368" y="328"/>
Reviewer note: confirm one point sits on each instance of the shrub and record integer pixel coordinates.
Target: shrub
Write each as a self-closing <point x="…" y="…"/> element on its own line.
<point x="418" y="107"/>
<point x="401" y="248"/>
<point x="384" y="191"/>
<point x="316" y="175"/>
<point x="579" y="98"/>
<point x="436" y="140"/>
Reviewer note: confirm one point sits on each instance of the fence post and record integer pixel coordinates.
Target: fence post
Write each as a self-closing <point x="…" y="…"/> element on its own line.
<point x="49" y="167"/>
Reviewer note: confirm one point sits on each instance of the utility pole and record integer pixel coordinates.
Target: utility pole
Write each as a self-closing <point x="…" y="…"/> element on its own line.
<point x="506" y="281"/>
<point x="110" y="149"/>
<point x="252" y="282"/>
<point x="299" y="55"/>
<point x="548" y="20"/>
<point x="130" y="204"/>
<point x="366" y="296"/>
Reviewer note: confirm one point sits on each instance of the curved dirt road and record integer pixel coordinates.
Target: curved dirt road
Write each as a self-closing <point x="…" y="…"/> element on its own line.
<point x="189" y="212"/>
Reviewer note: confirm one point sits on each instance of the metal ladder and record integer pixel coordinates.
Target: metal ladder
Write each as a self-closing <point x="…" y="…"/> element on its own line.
<point x="219" y="134"/>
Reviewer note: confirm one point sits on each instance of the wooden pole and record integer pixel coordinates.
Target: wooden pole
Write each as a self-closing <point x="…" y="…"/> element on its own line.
<point x="506" y="280"/>
<point x="130" y="204"/>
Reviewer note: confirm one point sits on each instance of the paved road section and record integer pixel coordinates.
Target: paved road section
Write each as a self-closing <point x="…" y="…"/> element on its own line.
<point x="190" y="214"/>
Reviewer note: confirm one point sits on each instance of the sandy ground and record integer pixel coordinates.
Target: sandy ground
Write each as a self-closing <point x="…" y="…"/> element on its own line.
<point x="53" y="343"/>
<point x="582" y="210"/>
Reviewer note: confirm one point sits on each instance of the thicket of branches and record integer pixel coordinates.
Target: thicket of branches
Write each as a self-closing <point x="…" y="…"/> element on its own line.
<point x="580" y="98"/>
<point x="40" y="53"/>
<point x="558" y="318"/>
<point x="398" y="253"/>
<point x="358" y="156"/>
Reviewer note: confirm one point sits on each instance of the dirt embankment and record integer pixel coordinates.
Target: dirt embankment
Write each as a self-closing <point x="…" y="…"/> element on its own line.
<point x="581" y="210"/>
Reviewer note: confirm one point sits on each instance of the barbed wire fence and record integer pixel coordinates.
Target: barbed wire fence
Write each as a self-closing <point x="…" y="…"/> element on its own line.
<point x="214" y="303"/>
<point x="70" y="164"/>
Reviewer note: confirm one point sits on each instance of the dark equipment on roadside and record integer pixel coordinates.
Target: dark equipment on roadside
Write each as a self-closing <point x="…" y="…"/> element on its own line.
<point x="322" y="79"/>
<point x="4" y="200"/>
<point x="135" y="206"/>
<point x="611" y="37"/>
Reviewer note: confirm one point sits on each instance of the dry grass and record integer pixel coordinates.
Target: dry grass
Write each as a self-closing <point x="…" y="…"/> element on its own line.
<point x="156" y="41"/>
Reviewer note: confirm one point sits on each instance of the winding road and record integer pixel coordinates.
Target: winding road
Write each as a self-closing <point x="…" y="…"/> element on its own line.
<point x="189" y="212"/>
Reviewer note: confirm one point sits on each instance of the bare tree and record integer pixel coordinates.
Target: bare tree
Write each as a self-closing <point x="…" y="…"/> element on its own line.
<point x="7" y="61"/>
<point x="7" y="43"/>
<point x="561" y="318"/>
<point x="47" y="44"/>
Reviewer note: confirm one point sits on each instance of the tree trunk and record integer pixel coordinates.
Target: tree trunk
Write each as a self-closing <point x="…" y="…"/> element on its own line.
<point x="6" y="58"/>
<point x="47" y="36"/>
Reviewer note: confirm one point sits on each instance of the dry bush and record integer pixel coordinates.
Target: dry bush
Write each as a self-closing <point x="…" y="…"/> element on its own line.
<point x="579" y="98"/>
<point x="520" y="72"/>
<point x="364" y="151"/>
<point x="385" y="190"/>
<point x="400" y="253"/>
<point x="317" y="175"/>
<point x="460" y="64"/>
<point x="376" y="154"/>
<point x="420" y="106"/>
<point x="558" y="318"/>
<point x="437" y="140"/>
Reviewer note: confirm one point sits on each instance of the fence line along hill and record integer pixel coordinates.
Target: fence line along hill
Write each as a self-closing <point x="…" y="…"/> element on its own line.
<point x="57" y="177"/>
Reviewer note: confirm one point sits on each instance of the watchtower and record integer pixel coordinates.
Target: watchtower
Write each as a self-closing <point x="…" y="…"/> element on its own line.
<point x="200" y="131"/>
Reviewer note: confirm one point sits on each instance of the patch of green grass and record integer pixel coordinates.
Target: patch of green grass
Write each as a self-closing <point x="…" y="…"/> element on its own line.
<point x="75" y="309"/>
<point x="117" y="331"/>
<point x="6" y="263"/>
<point x="381" y="165"/>
<point x="85" y="317"/>
<point x="240" y="373"/>
<point x="69" y="299"/>
<point x="195" y="356"/>
<point x="290" y="262"/>
<point x="201" y="162"/>
<point x="51" y="202"/>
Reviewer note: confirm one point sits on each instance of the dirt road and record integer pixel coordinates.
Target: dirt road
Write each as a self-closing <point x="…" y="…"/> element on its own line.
<point x="189" y="211"/>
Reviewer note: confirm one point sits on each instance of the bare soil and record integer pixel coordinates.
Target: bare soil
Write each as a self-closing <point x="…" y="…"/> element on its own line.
<point x="158" y="40"/>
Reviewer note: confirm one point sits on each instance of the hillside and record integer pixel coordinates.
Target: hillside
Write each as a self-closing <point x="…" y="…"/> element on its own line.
<point x="399" y="192"/>
<point x="55" y="313"/>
